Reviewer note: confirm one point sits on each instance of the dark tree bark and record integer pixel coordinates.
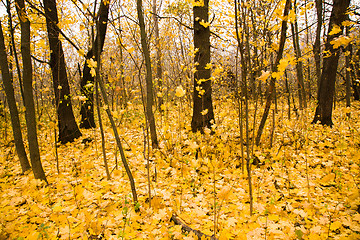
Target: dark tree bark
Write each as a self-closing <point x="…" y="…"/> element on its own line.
<point x="87" y="81"/>
<point x="202" y="83"/>
<point x="149" y="83"/>
<point x="68" y="129"/>
<point x="299" y="63"/>
<point x="355" y="66"/>
<point x="14" y="114"/>
<point x="326" y="91"/>
<point x="28" y="93"/>
<point x="271" y="88"/>
<point x="317" y="44"/>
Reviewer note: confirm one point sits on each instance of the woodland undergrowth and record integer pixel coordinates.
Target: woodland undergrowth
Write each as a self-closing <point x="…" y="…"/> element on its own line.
<point x="305" y="183"/>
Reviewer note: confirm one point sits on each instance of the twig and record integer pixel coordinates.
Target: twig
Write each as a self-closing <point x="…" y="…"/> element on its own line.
<point x="186" y="228"/>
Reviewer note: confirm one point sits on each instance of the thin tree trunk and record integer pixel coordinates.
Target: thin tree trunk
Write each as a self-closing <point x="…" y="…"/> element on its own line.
<point x="68" y="128"/>
<point x="87" y="82"/>
<point x="149" y="82"/>
<point x="326" y="91"/>
<point x="28" y="93"/>
<point x="202" y="82"/>
<point x="158" y="57"/>
<point x="8" y="9"/>
<point x="14" y="114"/>
<point x="299" y="63"/>
<point x="271" y="88"/>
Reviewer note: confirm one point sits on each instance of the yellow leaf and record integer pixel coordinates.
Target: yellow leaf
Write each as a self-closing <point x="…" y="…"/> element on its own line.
<point x="130" y="50"/>
<point x="224" y="192"/>
<point x="198" y="3"/>
<point x="264" y="76"/>
<point x="204" y="24"/>
<point x="81" y="52"/>
<point x="180" y="91"/>
<point x="335" y="226"/>
<point x="91" y="63"/>
<point x="93" y="72"/>
<point x="335" y="30"/>
<point x="341" y="41"/>
<point x="204" y="112"/>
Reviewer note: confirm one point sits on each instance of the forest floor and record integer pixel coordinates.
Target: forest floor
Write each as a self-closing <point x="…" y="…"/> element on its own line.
<point x="305" y="185"/>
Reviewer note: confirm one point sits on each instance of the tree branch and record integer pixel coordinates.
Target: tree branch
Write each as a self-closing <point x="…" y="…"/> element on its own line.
<point x="186" y="228"/>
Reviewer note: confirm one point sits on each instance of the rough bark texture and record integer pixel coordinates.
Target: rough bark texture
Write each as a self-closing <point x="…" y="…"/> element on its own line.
<point x="202" y="82"/>
<point x="326" y="91"/>
<point x="68" y="128"/>
<point x="271" y="88"/>
<point x="14" y="114"/>
<point x="28" y="93"/>
<point x="316" y="46"/>
<point x="149" y="83"/>
<point x="87" y="82"/>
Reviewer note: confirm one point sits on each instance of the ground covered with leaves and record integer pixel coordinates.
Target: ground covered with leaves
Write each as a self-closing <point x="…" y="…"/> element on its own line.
<point x="305" y="181"/>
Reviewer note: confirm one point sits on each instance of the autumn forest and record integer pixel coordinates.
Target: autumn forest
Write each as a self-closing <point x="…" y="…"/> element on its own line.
<point x="179" y="119"/>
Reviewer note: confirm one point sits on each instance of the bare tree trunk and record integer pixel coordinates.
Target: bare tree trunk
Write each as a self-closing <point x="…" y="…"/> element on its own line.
<point x="299" y="63"/>
<point x="149" y="83"/>
<point x="270" y="91"/>
<point x="317" y="44"/>
<point x="158" y="57"/>
<point x="68" y="128"/>
<point x="87" y="81"/>
<point x="28" y="93"/>
<point x="202" y="82"/>
<point x="14" y="114"/>
<point x="8" y="9"/>
<point x="326" y="91"/>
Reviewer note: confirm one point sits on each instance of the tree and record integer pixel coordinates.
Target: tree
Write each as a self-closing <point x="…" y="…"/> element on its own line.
<point x="158" y="55"/>
<point x="87" y="81"/>
<point x="299" y="63"/>
<point x="149" y="83"/>
<point x="68" y="128"/>
<point x="28" y="92"/>
<point x="316" y="46"/>
<point x="14" y="114"/>
<point x="271" y="87"/>
<point x="203" y="113"/>
<point x="323" y="112"/>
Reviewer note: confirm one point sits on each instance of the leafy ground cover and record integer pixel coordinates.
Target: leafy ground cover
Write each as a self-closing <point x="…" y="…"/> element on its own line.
<point x="305" y="186"/>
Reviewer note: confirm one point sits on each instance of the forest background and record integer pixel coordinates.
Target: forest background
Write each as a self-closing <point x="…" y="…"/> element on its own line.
<point x="179" y="119"/>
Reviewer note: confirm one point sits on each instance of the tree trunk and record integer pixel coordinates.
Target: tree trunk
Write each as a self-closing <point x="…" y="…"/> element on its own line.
<point x="68" y="129"/>
<point x="149" y="84"/>
<point x="317" y="44"/>
<point x="87" y="82"/>
<point x="326" y="91"/>
<point x="14" y="114"/>
<point x="299" y="63"/>
<point x="203" y="113"/>
<point x="271" y="88"/>
<point x="158" y="58"/>
<point x="28" y="93"/>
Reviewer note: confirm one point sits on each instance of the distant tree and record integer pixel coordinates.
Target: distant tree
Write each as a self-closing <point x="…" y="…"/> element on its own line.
<point x="87" y="81"/>
<point x="203" y="113"/>
<point x="271" y="87"/>
<point x="68" y="128"/>
<point x="326" y="91"/>
<point x="149" y="82"/>
<point x="14" y="114"/>
<point x="28" y="92"/>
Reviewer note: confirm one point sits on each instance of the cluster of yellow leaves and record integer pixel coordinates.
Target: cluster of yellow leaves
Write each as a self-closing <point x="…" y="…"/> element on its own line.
<point x="305" y="187"/>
